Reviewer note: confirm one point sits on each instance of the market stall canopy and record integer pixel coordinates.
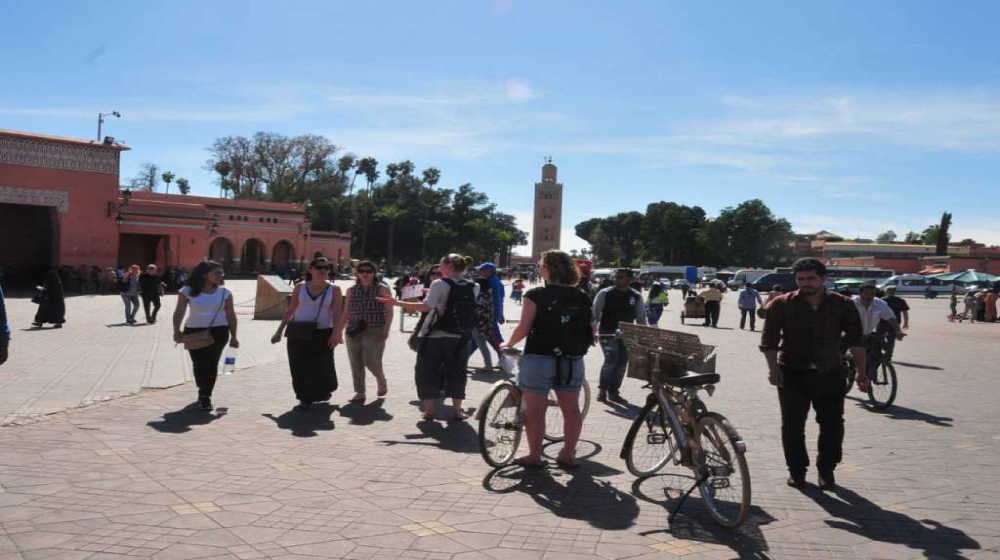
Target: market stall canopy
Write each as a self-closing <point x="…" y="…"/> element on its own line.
<point x="966" y="277"/>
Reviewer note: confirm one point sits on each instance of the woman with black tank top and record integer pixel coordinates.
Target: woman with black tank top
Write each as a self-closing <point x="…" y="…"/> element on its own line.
<point x="556" y="320"/>
<point x="310" y="359"/>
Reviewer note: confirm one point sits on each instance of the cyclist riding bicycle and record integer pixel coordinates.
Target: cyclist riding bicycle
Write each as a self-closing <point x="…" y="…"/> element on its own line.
<point x="873" y="311"/>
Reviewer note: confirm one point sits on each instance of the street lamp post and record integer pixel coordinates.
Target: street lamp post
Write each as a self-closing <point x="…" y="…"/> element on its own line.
<point x="100" y="121"/>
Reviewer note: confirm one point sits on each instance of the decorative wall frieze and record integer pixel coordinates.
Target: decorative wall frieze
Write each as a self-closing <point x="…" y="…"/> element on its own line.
<point x="40" y="153"/>
<point x="35" y="197"/>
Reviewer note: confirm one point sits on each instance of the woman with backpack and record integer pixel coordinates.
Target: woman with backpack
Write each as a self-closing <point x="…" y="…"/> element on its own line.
<point x="556" y="319"/>
<point x="443" y="347"/>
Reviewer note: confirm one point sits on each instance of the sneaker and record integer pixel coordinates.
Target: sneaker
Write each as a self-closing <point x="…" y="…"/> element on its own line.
<point x="797" y="481"/>
<point x="827" y="480"/>
<point x="616" y="398"/>
<point x="205" y="403"/>
<point x="602" y="396"/>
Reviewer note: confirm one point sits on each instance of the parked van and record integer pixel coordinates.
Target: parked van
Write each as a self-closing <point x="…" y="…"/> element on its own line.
<point x="915" y="284"/>
<point x="784" y="279"/>
<point x="747" y="276"/>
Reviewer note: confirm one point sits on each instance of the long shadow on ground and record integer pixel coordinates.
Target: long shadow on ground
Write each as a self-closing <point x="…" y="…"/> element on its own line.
<point x="306" y="423"/>
<point x="180" y="421"/>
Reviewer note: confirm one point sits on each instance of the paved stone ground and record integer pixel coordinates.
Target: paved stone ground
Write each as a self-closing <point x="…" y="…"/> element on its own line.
<point x="147" y="476"/>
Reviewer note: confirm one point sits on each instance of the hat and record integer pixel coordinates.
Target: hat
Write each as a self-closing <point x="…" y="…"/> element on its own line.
<point x="488" y="265"/>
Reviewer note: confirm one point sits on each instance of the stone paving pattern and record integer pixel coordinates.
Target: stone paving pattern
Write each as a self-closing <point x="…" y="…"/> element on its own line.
<point x="148" y="476"/>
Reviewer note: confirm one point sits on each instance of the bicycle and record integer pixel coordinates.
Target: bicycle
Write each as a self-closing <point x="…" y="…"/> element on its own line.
<point x="676" y="426"/>
<point x="501" y="419"/>
<point x="882" y="382"/>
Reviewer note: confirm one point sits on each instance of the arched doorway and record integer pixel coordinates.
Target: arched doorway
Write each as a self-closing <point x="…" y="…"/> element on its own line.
<point x="252" y="256"/>
<point x="221" y="250"/>
<point x="282" y="254"/>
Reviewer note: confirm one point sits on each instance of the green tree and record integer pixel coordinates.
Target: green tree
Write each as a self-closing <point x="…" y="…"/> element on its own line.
<point x="944" y="235"/>
<point x="886" y="238"/>
<point x="913" y="238"/>
<point x="390" y="213"/>
<point x="670" y="232"/>
<point x="183" y="186"/>
<point x="223" y="168"/>
<point x="147" y="178"/>
<point x="168" y="178"/>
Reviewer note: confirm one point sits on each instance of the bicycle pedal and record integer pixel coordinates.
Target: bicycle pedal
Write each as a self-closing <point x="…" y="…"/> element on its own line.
<point x="719" y="483"/>
<point x="656" y="439"/>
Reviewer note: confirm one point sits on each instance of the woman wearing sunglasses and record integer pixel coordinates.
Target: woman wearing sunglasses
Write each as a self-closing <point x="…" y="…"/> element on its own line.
<point x="310" y="327"/>
<point x="366" y="324"/>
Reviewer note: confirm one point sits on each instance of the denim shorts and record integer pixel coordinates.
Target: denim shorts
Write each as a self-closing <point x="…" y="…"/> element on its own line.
<point x="537" y="373"/>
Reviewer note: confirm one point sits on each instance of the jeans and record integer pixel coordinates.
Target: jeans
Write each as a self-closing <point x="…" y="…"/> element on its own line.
<point x="824" y="392"/>
<point x="146" y="302"/>
<point x="712" y="313"/>
<point x="653" y="313"/>
<point x="753" y="318"/>
<point x="480" y="342"/>
<point x="131" y="307"/>
<point x="615" y="362"/>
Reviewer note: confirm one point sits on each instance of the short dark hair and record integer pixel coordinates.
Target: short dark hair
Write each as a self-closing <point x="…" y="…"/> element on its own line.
<point x="809" y="264"/>
<point x="627" y="272"/>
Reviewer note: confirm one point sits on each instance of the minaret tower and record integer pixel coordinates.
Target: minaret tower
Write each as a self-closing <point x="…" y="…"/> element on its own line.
<point x="548" y="212"/>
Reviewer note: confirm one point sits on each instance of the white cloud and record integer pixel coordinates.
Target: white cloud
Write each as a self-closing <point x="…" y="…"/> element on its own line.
<point x="519" y="90"/>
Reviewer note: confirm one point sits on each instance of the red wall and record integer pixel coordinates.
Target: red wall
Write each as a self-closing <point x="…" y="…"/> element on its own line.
<point x="86" y="234"/>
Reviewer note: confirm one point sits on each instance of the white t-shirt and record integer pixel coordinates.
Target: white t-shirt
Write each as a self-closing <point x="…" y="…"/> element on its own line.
<point x="309" y="308"/>
<point x="873" y="314"/>
<point x="437" y="298"/>
<point x="203" y="307"/>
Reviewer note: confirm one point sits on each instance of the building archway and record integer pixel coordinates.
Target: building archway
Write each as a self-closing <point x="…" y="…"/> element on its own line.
<point x="282" y="254"/>
<point x="252" y="256"/>
<point x="221" y="250"/>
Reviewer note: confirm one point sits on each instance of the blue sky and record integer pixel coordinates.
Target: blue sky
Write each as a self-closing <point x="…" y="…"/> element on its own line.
<point x="856" y="117"/>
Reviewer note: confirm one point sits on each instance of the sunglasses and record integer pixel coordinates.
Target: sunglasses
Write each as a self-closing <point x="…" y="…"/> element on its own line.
<point x="366" y="271"/>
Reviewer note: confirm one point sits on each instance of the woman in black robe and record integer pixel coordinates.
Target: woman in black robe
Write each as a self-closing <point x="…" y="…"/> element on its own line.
<point x="52" y="308"/>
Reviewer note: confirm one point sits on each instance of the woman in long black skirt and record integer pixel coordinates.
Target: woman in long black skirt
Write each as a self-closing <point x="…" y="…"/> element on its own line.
<point x="52" y="307"/>
<point x="309" y="327"/>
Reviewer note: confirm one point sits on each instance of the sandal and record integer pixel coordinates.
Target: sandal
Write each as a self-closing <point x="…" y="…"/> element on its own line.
<point x="459" y="417"/>
<point x="567" y="466"/>
<point x="426" y="416"/>
<point x="357" y="399"/>
<point x="383" y="389"/>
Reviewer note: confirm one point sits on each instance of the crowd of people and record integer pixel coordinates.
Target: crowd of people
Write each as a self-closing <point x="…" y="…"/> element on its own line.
<point x="806" y="333"/>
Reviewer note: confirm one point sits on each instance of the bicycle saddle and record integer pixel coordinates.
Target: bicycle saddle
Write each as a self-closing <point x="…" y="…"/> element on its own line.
<point x="693" y="379"/>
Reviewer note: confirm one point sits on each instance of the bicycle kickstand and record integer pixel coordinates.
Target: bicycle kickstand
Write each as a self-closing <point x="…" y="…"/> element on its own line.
<point x="680" y="504"/>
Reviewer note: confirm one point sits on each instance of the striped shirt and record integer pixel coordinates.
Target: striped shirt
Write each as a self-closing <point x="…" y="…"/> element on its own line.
<point x="364" y="307"/>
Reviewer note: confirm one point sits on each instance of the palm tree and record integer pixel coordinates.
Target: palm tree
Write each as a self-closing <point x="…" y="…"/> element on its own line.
<point x="168" y="178"/>
<point x="183" y="185"/>
<point x="391" y="213"/>
<point x="369" y="168"/>
<point x="223" y="168"/>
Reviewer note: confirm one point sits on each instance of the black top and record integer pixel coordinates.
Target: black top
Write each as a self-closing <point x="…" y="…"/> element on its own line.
<point x="619" y="307"/>
<point x="149" y="284"/>
<point x="562" y="321"/>
<point x="898" y="306"/>
<point x="807" y="337"/>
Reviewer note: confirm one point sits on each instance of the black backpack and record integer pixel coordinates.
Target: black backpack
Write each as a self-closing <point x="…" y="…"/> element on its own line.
<point x="563" y="324"/>
<point x="459" y="315"/>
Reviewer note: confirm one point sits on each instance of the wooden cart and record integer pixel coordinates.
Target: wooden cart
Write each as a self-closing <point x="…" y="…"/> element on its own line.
<point x="694" y="308"/>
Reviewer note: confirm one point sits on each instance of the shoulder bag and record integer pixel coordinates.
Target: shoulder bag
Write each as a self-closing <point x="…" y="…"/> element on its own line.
<point x="203" y="339"/>
<point x="303" y="330"/>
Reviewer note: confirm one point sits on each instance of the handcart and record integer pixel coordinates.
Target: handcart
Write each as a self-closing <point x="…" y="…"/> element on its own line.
<point x="694" y="308"/>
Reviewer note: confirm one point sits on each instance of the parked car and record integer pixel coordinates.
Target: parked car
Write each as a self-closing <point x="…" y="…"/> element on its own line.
<point x="915" y="284"/>
<point x="680" y="283"/>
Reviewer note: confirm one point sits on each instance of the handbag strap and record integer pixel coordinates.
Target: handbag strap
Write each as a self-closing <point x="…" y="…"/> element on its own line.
<point x="212" y="322"/>
<point x="319" y="310"/>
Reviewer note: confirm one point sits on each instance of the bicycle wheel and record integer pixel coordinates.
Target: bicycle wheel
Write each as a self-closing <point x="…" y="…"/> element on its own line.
<point x="727" y="489"/>
<point x="499" y="425"/>
<point x="554" y="416"/>
<point x="882" y="385"/>
<point x="651" y="442"/>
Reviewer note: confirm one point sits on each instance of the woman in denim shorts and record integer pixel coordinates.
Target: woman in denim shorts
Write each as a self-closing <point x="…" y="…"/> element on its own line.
<point x="556" y="321"/>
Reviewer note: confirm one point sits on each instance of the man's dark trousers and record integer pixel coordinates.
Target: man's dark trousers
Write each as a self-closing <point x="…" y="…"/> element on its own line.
<point x="712" y="309"/>
<point x="824" y="391"/>
<point x="753" y="318"/>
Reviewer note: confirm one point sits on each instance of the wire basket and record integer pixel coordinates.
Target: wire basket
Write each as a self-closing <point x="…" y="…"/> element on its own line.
<point x="677" y="352"/>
